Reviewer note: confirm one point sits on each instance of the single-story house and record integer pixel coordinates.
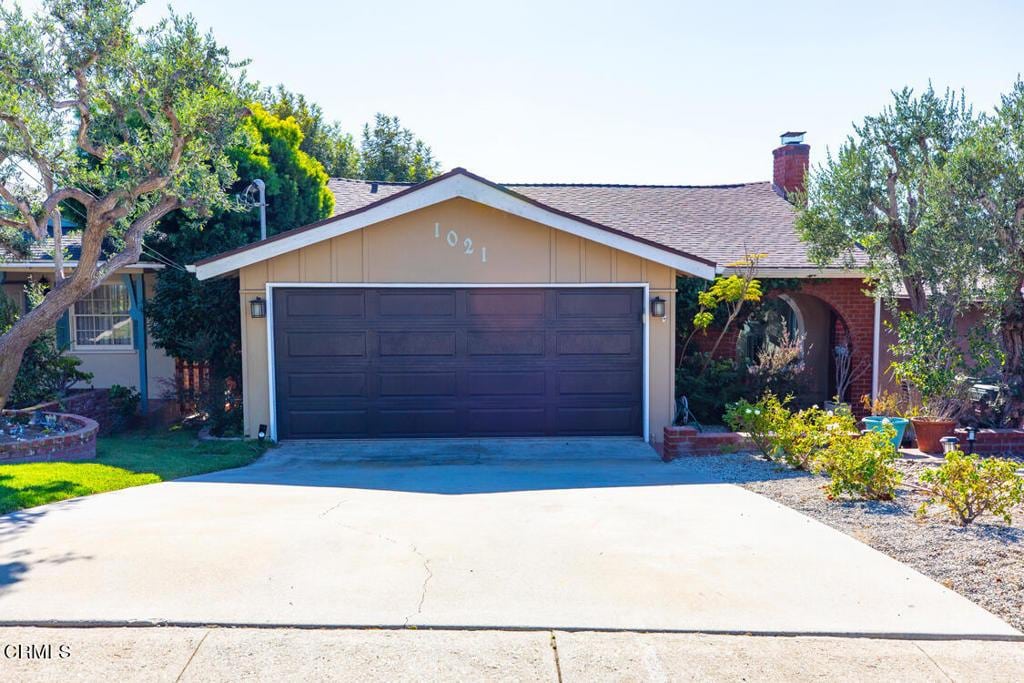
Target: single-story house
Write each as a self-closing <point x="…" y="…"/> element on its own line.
<point x="107" y="329"/>
<point x="464" y="307"/>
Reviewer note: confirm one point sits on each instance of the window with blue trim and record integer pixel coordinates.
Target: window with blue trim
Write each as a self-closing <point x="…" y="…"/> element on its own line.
<point x="102" y="318"/>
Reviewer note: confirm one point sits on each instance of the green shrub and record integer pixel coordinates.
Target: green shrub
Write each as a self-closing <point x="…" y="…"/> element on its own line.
<point x="124" y="404"/>
<point x="969" y="487"/>
<point x="859" y="466"/>
<point x="802" y="438"/>
<point x="762" y="420"/>
<point x="709" y="390"/>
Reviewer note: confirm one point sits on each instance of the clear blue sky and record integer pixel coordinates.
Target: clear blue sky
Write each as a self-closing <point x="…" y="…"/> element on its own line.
<point x="631" y="92"/>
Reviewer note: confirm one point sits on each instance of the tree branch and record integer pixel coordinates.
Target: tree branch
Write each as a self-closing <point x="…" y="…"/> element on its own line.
<point x="133" y="238"/>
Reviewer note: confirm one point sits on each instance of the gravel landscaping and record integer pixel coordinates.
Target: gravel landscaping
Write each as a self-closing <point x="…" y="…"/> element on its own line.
<point x="983" y="562"/>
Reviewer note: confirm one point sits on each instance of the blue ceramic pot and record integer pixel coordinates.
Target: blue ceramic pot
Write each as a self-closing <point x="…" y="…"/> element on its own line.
<point x="877" y="423"/>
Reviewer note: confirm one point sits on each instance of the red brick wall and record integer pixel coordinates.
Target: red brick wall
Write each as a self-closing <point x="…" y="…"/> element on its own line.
<point x="846" y="297"/>
<point x="994" y="441"/>
<point x="680" y="441"/>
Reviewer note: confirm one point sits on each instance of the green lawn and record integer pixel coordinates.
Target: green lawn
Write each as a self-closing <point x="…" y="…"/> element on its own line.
<point x="122" y="461"/>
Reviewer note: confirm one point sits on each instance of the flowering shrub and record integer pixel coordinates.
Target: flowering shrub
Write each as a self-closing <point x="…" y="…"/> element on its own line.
<point x="969" y="487"/>
<point x="860" y="466"/>
<point x="802" y="438"/>
<point x="762" y="420"/>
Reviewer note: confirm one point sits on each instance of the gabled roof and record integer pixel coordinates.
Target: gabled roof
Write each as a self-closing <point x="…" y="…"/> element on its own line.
<point x="720" y="223"/>
<point x="368" y="203"/>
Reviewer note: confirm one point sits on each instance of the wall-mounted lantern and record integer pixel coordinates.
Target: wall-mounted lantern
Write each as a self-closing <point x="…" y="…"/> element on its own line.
<point x="258" y="307"/>
<point x="261" y="433"/>
<point x="972" y="436"/>
<point x="658" y="307"/>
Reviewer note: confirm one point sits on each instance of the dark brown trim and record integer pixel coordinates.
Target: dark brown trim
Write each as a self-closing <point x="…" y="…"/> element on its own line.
<point x="436" y="179"/>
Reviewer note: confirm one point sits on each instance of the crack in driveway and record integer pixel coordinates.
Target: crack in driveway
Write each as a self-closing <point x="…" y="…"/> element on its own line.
<point x="412" y="547"/>
<point x="423" y="590"/>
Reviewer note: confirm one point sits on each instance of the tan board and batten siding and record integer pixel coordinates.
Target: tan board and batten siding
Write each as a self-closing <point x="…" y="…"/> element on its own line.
<point x="404" y="249"/>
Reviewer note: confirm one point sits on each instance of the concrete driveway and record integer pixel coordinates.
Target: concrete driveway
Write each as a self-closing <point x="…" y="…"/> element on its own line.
<point x="535" y="534"/>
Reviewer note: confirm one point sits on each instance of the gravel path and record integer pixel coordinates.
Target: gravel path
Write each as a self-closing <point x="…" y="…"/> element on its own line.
<point x="983" y="562"/>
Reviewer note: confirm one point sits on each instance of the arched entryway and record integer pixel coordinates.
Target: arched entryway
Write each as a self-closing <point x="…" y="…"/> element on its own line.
<point x="821" y="329"/>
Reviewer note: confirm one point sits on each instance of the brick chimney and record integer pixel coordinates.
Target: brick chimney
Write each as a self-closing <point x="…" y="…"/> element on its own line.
<point x="791" y="162"/>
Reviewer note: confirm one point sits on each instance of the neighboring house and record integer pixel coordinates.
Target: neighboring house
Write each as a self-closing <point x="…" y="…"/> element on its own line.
<point x="107" y="329"/>
<point x="463" y="307"/>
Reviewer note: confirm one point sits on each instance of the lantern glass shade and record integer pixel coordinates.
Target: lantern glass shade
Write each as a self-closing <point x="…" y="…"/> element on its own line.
<point x="658" y="307"/>
<point x="258" y="307"/>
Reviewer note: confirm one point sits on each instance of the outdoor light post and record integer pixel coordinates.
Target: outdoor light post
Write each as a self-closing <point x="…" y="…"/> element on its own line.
<point x="972" y="435"/>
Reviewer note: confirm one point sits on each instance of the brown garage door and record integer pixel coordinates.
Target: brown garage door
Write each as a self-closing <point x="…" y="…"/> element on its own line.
<point x="397" y="362"/>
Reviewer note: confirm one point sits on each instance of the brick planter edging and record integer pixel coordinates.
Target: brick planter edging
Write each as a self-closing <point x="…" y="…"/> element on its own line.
<point x="682" y="440"/>
<point x="994" y="441"/>
<point x="77" y="445"/>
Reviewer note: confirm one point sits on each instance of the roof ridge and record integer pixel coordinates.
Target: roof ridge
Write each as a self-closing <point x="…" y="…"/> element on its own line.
<point x="718" y="186"/>
<point x="653" y="186"/>
<point x="370" y="182"/>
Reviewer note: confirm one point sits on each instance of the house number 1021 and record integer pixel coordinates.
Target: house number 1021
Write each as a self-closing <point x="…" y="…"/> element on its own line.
<point x="452" y="238"/>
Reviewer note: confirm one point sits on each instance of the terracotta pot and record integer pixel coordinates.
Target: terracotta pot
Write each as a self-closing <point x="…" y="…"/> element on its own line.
<point x="930" y="431"/>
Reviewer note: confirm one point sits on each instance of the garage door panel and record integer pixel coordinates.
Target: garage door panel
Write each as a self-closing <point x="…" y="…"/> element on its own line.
<point x="510" y="383"/>
<point x="417" y="422"/>
<point x="459" y="362"/>
<point x="327" y="385"/>
<point x="598" y="383"/>
<point x="503" y="421"/>
<point x="595" y="420"/>
<point x="595" y="303"/>
<point x="416" y="343"/>
<point x="328" y="344"/>
<point x="419" y="305"/>
<point x="596" y="343"/>
<point x="505" y="343"/>
<point x="317" y="424"/>
<point x="505" y="304"/>
<point x="322" y="303"/>
<point x="417" y="384"/>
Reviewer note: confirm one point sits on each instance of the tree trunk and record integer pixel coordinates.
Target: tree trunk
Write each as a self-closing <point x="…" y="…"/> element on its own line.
<point x="1011" y="332"/>
<point x="29" y="326"/>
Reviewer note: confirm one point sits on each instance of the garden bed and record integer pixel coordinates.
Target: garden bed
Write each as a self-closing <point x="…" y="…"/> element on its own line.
<point x="59" y="436"/>
<point x="983" y="562"/>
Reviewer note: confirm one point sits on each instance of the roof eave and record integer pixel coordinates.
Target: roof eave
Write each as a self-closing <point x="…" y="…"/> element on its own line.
<point x="48" y="265"/>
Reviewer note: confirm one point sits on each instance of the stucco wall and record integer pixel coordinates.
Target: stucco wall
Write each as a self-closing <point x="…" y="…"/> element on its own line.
<point x="416" y="248"/>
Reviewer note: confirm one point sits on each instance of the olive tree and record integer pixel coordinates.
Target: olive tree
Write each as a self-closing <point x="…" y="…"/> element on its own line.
<point x="982" y="198"/>
<point x="120" y="125"/>
<point x="874" y="196"/>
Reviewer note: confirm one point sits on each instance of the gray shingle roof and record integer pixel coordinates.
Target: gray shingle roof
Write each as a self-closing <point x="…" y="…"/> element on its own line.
<point x="717" y="222"/>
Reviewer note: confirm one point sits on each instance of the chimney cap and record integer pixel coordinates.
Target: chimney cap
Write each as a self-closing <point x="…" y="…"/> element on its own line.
<point x="793" y="137"/>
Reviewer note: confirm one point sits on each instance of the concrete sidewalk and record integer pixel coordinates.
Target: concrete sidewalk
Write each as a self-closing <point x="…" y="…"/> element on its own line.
<point x="172" y="654"/>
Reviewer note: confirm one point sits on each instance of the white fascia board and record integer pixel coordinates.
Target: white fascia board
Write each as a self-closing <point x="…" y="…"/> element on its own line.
<point x="450" y="188"/>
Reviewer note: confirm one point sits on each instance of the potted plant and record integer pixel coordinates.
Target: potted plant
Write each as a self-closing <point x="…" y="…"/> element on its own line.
<point x="935" y="372"/>
<point x="889" y="408"/>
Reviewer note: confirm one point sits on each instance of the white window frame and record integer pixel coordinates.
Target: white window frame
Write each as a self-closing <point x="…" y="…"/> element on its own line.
<point x="106" y="348"/>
